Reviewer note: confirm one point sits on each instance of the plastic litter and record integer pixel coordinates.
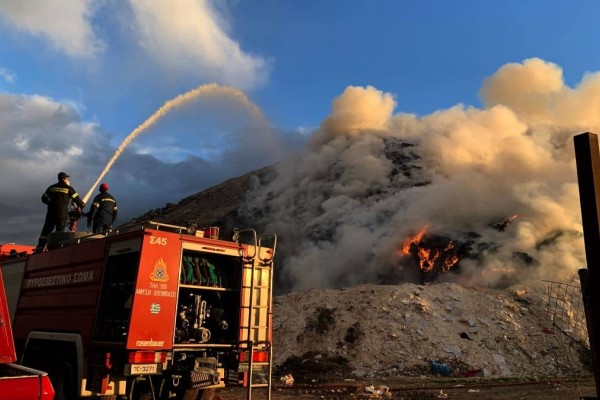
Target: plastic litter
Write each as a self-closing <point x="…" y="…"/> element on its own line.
<point x="287" y="380"/>
<point x="442" y="395"/>
<point x="470" y="373"/>
<point x="440" y="369"/>
<point x="381" y="391"/>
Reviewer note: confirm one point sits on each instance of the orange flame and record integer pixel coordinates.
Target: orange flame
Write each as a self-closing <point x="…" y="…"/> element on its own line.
<point x="501" y="226"/>
<point x="429" y="257"/>
<point x="416" y="239"/>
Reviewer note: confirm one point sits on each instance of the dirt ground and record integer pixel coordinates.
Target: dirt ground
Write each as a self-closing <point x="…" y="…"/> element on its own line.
<point x="424" y="389"/>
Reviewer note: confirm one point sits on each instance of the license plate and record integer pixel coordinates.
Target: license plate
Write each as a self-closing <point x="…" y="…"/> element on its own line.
<point x="143" y="369"/>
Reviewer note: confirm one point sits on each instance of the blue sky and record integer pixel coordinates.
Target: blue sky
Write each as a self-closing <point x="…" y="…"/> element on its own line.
<point x="79" y="76"/>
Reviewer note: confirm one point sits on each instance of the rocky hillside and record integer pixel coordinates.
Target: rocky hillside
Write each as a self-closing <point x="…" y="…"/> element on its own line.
<point x="215" y="206"/>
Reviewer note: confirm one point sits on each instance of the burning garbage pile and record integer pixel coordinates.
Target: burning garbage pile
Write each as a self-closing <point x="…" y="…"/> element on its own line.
<point x="495" y="185"/>
<point x="496" y="190"/>
<point x="435" y="254"/>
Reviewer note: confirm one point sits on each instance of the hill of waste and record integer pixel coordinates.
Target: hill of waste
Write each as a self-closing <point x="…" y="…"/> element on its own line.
<point x="440" y="329"/>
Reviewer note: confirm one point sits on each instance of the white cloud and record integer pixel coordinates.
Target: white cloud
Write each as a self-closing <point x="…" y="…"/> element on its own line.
<point x="65" y="24"/>
<point x="7" y="75"/>
<point x="189" y="36"/>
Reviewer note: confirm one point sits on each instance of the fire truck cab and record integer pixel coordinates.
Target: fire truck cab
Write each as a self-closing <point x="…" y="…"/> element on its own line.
<point x="156" y="311"/>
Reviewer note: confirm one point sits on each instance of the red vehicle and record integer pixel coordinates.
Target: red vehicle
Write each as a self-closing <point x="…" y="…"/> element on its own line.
<point x="156" y="312"/>
<point x="17" y="382"/>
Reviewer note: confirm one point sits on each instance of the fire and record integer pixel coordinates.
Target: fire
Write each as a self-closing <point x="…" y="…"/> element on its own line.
<point x="501" y="226"/>
<point x="432" y="254"/>
<point x="415" y="240"/>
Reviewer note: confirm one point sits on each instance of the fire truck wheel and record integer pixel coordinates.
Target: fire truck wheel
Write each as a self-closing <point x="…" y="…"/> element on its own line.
<point x="65" y="382"/>
<point x="58" y="359"/>
<point x="199" y="394"/>
<point x="208" y="394"/>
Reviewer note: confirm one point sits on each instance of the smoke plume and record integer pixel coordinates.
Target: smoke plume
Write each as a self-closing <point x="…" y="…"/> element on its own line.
<point x="498" y="181"/>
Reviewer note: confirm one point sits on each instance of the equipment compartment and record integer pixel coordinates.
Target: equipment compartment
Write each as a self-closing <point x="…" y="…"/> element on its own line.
<point x="208" y="303"/>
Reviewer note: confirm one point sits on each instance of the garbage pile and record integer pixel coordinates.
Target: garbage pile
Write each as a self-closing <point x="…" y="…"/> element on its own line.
<point x="437" y="329"/>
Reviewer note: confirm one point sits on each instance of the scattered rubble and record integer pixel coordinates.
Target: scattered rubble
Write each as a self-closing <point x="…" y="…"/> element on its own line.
<point x="443" y="329"/>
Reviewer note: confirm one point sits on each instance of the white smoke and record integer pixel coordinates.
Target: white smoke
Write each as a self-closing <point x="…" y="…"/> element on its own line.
<point x="369" y="179"/>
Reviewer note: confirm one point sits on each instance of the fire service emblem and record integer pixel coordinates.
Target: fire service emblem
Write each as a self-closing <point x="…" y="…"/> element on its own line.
<point x="154" y="308"/>
<point x="159" y="274"/>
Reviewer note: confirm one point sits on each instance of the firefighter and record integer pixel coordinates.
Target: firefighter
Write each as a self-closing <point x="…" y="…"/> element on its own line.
<point x="103" y="213"/>
<point x="57" y="197"/>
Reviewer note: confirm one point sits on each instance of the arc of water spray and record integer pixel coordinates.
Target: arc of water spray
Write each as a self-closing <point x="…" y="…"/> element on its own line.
<point x="182" y="99"/>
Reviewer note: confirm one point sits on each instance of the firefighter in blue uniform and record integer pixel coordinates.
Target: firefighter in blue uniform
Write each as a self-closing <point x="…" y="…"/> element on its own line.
<point x="57" y="197"/>
<point x="103" y="212"/>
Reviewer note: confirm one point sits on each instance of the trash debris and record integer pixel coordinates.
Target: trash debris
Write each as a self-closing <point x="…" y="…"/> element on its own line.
<point x="465" y="335"/>
<point x="473" y="390"/>
<point x="287" y="380"/>
<point x="471" y="373"/>
<point x="381" y="391"/>
<point x="519" y="341"/>
<point x="440" y="369"/>
<point x="442" y="395"/>
<point x="454" y="350"/>
<point x="501" y="362"/>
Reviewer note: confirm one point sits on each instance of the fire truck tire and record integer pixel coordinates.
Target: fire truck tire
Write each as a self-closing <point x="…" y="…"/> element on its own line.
<point x="66" y="388"/>
<point x="199" y="394"/>
<point x="58" y="359"/>
<point x="191" y="394"/>
<point x="208" y="394"/>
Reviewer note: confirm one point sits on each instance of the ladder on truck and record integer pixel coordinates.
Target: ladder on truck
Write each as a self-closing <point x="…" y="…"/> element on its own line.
<point x="257" y="312"/>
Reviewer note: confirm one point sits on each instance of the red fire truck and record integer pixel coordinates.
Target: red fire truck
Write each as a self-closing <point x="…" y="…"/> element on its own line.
<point x="155" y="312"/>
<point x="17" y="382"/>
